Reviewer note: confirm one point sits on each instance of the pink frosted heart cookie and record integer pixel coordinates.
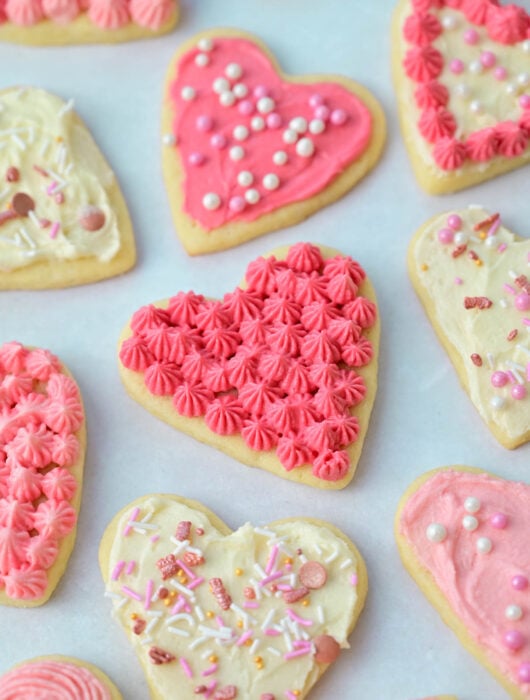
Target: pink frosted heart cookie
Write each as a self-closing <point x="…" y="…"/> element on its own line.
<point x="248" y="149"/>
<point x="60" y="22"/>
<point x="470" y="273"/>
<point x="221" y="614"/>
<point x="462" y="77"/>
<point x="42" y="447"/>
<point x="281" y="374"/>
<point x="462" y="535"/>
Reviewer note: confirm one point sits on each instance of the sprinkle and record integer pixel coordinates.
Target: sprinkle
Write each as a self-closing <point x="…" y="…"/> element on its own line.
<point x="180" y="616"/>
<point x="117" y="571"/>
<point x="152" y="625"/>
<point x="223" y="633"/>
<point x="502" y="247"/>
<point x="271" y="632"/>
<point x="290" y="696"/>
<point x="264" y="531"/>
<point x="268" y="619"/>
<point x="513" y="274"/>
<point x="353" y="579"/>
<point x="332" y="556"/>
<point x="250" y="604"/>
<point x="320" y="614"/>
<point x="272" y="559"/>
<point x="491" y="360"/>
<point x="298" y="619"/>
<point x="504" y="303"/>
<point x="199" y="612"/>
<point x="146" y="641"/>
<point x="509" y="288"/>
<point x="19" y="142"/>
<point x="68" y="107"/>
<point x="243" y="638"/>
<point x="132" y="518"/>
<point x="495" y="226"/>
<point x="211" y="688"/>
<point x="299" y="652"/>
<point x="186" y="667"/>
<point x="195" y="583"/>
<point x="523" y="349"/>
<point x="512" y="334"/>
<point x="132" y="594"/>
<point x="130" y="568"/>
<point x="196" y="642"/>
<point x="149" y="593"/>
<point x="179" y="632"/>
<point x="274" y="651"/>
<point x="272" y="577"/>
<point x="211" y="670"/>
<point x="25" y="235"/>
<point x="476" y="359"/>
<point x="486" y="222"/>
<point x="114" y="596"/>
<point x="255" y="644"/>
<point x="287" y="640"/>
<point x="528" y="372"/>
<point x="154" y="538"/>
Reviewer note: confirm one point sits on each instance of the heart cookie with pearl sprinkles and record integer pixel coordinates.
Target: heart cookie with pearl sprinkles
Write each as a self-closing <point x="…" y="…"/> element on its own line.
<point x="462" y="535"/>
<point x="462" y="77"/>
<point x="248" y="149"/>
<point x="57" y="678"/>
<point x="281" y="374"/>
<point x="42" y="450"/>
<point x="258" y="613"/>
<point x="469" y="270"/>
<point x="61" y="22"/>
<point x="63" y="219"/>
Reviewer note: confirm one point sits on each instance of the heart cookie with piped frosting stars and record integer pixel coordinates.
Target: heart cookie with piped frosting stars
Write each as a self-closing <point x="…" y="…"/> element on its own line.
<point x="258" y="613"/>
<point x="280" y="374"/>
<point x="248" y="149"/>
<point x="462" y="77"/>
<point x="42" y="448"/>
<point x="470" y="273"/>
<point x="462" y="535"/>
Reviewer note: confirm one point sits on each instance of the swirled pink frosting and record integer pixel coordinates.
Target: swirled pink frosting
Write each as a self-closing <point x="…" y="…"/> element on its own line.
<point x="61" y="11"/>
<point x="431" y="94"/>
<point x="24" y="12"/>
<point x="421" y="28"/>
<point x="483" y="145"/>
<point x="508" y="24"/>
<point x="152" y="13"/>
<point x="52" y="679"/>
<point x="423" y="63"/>
<point x="476" y="11"/>
<point x="449" y="153"/>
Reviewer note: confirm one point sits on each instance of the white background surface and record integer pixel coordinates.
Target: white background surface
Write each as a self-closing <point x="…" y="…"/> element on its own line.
<point x="422" y="418"/>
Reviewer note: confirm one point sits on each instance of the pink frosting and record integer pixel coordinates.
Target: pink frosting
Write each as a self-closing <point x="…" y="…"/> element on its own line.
<point x="512" y="139"/>
<point x="135" y="354"/>
<point x="25" y="582"/>
<point x="24" y="12"/>
<point x="436" y="123"/>
<point x="449" y="153"/>
<point x="476" y="11"/>
<point x="431" y="94"/>
<point x="152" y="13"/>
<point x="508" y="24"/>
<point x="342" y="141"/>
<point x="109" y="14"/>
<point x="421" y="28"/>
<point x="477" y="586"/>
<point x="483" y="145"/>
<point x="61" y="11"/>
<point x="52" y="679"/>
<point x="423" y="63"/>
<point x="191" y="400"/>
<point x="258" y="435"/>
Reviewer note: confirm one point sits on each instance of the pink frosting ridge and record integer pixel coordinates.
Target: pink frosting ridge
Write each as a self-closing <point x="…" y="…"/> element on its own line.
<point x="24" y="12"/>
<point x="61" y="11"/>
<point x="251" y="108"/>
<point x="38" y="442"/>
<point x="266" y="365"/>
<point x="152" y="13"/>
<point x="55" y="679"/>
<point x="482" y="565"/>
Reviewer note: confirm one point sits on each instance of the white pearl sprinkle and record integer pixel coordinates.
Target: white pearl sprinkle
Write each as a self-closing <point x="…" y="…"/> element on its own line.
<point x="526" y="46"/>
<point x="476" y="67"/>
<point x="265" y="105"/>
<point x="271" y="181"/>
<point x="257" y="123"/>
<point x="227" y="98"/>
<point x="472" y="504"/>
<point x="463" y="91"/>
<point x="252" y="196"/>
<point x="240" y="132"/>
<point x="298" y="124"/>
<point x="497" y="402"/>
<point x="187" y="93"/>
<point x="523" y="79"/>
<point x="484" y="545"/>
<point x="510" y="89"/>
<point x="211" y="201"/>
<point x="290" y="136"/>
<point x="436" y="532"/>
<point x="240" y="90"/>
<point x="513" y="612"/>
<point x="475" y="106"/>
<point x="460" y="238"/>
<point x="469" y="523"/>
<point x="220" y="85"/>
<point x="169" y="139"/>
<point x="491" y="242"/>
<point x="279" y="158"/>
<point x="205" y="44"/>
<point x="245" y="178"/>
<point x="449" y="22"/>
<point x="316" y="126"/>
<point x="234" y="71"/>
<point x="237" y="152"/>
<point x="305" y="148"/>
<point x="202" y="59"/>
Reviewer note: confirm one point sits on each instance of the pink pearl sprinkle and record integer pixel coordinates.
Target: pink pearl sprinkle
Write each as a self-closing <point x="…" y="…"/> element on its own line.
<point x="499" y="379"/>
<point x="454" y="222"/>
<point x="520" y="582"/>
<point x="237" y="204"/>
<point x="524" y="672"/>
<point x="338" y="117"/>
<point x="524" y="101"/>
<point x="204" y="123"/>
<point x="445" y="236"/>
<point x="522" y="301"/>
<point x="470" y="36"/>
<point x="195" y="158"/>
<point x="260" y="91"/>
<point x="499" y="521"/>
<point x="488" y="59"/>
<point x="500" y="73"/>
<point x="514" y="640"/>
<point x="218" y="141"/>
<point x="274" y="121"/>
<point x="456" y="66"/>
<point x="59" y="198"/>
<point x="245" y="107"/>
<point x="322" y="112"/>
<point x="518" y="392"/>
<point x="316" y="100"/>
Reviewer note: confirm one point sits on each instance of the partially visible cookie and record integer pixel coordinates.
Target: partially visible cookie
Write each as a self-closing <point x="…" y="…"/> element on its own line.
<point x="461" y="74"/>
<point x="63" y="218"/>
<point x="60" y="22"/>
<point x="42" y="450"/>
<point x="57" y="677"/>
<point x="249" y="149"/>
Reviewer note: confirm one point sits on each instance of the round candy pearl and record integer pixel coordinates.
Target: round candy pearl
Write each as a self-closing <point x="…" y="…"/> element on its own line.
<point x="524" y="101"/>
<point x="187" y="93"/>
<point x="499" y="521"/>
<point x="240" y="132"/>
<point x="523" y="673"/>
<point x="476" y="67"/>
<point x="322" y="112"/>
<point x="338" y="117"/>
<point x="202" y="60"/>
<point x="518" y="392"/>
<point x="204" y="123"/>
<point x="271" y="181"/>
<point x="220" y="85"/>
<point x="168" y="140"/>
<point x="274" y="121"/>
<point x="500" y="73"/>
<point x="245" y="178"/>
<point x="265" y="105"/>
<point x="469" y="523"/>
<point x="315" y="100"/>
<point x="246" y="107"/>
<point x="454" y="222"/>
<point x="461" y="238"/>
<point x="260" y="91"/>
<point x="484" y="545"/>
<point x="279" y="158"/>
<point x="218" y="141"/>
<point x="237" y="152"/>
<point x="463" y="91"/>
<point x="436" y="532"/>
<point x="449" y="22"/>
<point x="252" y="196"/>
<point x="290" y="136"/>
<point x="499" y="379"/>
<point x="316" y="126"/>
<point x="513" y="612"/>
<point x="522" y="301"/>
<point x="497" y="402"/>
<point x="475" y="107"/>
<point x="470" y="36"/>
<point x="472" y="504"/>
<point x="456" y="66"/>
<point x="305" y="148"/>
<point x="298" y="124"/>
<point x="240" y="90"/>
<point x="488" y="59"/>
<point x="234" y="71"/>
<point x="514" y="640"/>
<point x="491" y="241"/>
<point x="445" y="235"/>
<point x="196" y="158"/>
<point x="257" y="123"/>
<point x="205" y="44"/>
<point x="237" y="204"/>
<point x="211" y="201"/>
<point x="523" y="79"/>
<point x="510" y="89"/>
<point x="519" y="582"/>
<point x="227" y="98"/>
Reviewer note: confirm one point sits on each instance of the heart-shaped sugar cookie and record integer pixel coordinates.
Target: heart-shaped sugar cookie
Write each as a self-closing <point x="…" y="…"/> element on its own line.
<point x="63" y="219"/>
<point x="42" y="449"/>
<point x="254" y="614"/>
<point x="280" y="375"/>
<point x="248" y="149"/>
<point x="462" y="77"/>
<point x="462" y="535"/>
<point x="470" y="274"/>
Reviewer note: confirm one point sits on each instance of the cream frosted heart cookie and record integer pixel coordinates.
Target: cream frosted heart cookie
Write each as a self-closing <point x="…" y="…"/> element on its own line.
<point x="462" y="76"/>
<point x="60" y="22"/>
<point x="254" y="614"/>
<point x="470" y="272"/>
<point x="280" y="374"/>
<point x="57" y="677"/>
<point x="63" y="219"/>
<point x="462" y="535"/>
<point x="248" y="149"/>
<point x="42" y="449"/>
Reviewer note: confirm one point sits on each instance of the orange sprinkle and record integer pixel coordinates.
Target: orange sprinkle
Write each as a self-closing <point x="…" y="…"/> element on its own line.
<point x="305" y="602"/>
<point x="212" y="659"/>
<point x="238" y="572"/>
<point x="209" y="614"/>
<point x="424" y="267"/>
